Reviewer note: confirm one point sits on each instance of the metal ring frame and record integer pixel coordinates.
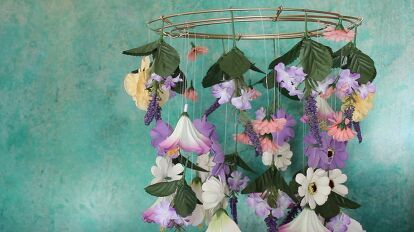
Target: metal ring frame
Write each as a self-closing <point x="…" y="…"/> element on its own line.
<point x="186" y="29"/>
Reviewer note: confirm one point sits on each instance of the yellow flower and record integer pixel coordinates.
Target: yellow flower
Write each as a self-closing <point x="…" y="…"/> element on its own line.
<point x="362" y="106"/>
<point x="134" y="85"/>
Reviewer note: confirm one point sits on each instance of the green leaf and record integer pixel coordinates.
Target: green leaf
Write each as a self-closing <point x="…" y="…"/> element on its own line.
<point x="340" y="57"/>
<point x="288" y="57"/>
<point x="269" y="80"/>
<point x="256" y="69"/>
<point x="261" y="183"/>
<point x="185" y="200"/>
<point x="316" y="59"/>
<point x="184" y="161"/>
<point x="166" y="60"/>
<point x="179" y="86"/>
<point x="234" y="63"/>
<point x="162" y="189"/>
<point x="214" y="76"/>
<point x="345" y="202"/>
<point x="329" y="209"/>
<point x="144" y="50"/>
<point x="358" y="62"/>
<point x="233" y="159"/>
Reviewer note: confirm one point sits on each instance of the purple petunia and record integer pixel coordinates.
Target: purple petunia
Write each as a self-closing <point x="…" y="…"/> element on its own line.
<point x="290" y="78"/>
<point x="159" y="133"/>
<point x="223" y="91"/>
<point x="330" y="155"/>
<point x="237" y="181"/>
<point x="287" y="133"/>
<point x="339" y="223"/>
<point x="243" y="101"/>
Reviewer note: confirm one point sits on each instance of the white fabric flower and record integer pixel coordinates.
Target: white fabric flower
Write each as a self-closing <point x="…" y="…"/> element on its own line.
<point x="214" y="193"/>
<point x="314" y="187"/>
<point x="307" y="221"/>
<point x="221" y="222"/>
<point x="355" y="226"/>
<point x="281" y="158"/>
<point x="165" y="170"/>
<point x="324" y="109"/>
<point x="336" y="180"/>
<point x="186" y="137"/>
<point x="197" y="217"/>
<point x="205" y="162"/>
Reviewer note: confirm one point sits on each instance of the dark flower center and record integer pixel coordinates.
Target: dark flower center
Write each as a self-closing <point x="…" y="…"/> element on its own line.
<point x="331" y="153"/>
<point x="331" y="184"/>
<point x="312" y="188"/>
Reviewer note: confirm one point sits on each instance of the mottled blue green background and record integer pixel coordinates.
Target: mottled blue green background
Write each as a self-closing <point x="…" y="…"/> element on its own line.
<point x="75" y="155"/>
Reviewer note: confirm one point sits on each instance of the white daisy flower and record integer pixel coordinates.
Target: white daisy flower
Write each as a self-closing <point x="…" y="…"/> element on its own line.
<point x="314" y="187"/>
<point x="336" y="180"/>
<point x="221" y="222"/>
<point x="281" y="158"/>
<point x="205" y="162"/>
<point x="165" y="170"/>
<point x="214" y="193"/>
<point x="307" y="221"/>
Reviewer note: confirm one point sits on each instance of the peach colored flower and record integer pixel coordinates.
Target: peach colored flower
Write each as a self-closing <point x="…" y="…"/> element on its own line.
<point x="338" y="34"/>
<point x="191" y="94"/>
<point x="267" y="126"/>
<point x="242" y="138"/>
<point x="268" y="145"/>
<point x="195" y="51"/>
<point x="339" y="130"/>
<point x="254" y="93"/>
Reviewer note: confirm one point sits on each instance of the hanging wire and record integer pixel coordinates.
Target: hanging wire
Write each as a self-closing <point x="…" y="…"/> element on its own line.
<point x="265" y="55"/>
<point x="194" y="66"/>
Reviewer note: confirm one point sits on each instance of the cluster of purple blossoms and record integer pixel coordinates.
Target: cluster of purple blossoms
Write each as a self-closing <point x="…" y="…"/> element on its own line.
<point x="347" y="83"/>
<point x="225" y="92"/>
<point x="262" y="208"/>
<point x="311" y="113"/>
<point x="271" y="223"/>
<point x="339" y="223"/>
<point x="290" y="78"/>
<point x="237" y="181"/>
<point x="287" y="133"/>
<point x="153" y="111"/>
<point x="233" y="208"/>
<point x="212" y="108"/>
<point x="163" y="214"/>
<point x="253" y="137"/>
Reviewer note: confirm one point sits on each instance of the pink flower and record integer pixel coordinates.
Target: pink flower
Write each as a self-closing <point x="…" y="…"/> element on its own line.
<point x="340" y="129"/>
<point x="195" y="51"/>
<point x="242" y="138"/>
<point x="254" y="93"/>
<point x="338" y="34"/>
<point x="268" y="145"/>
<point x="267" y="126"/>
<point x="190" y="93"/>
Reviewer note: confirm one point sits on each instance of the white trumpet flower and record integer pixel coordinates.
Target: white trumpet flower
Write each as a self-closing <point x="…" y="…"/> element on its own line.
<point x="214" y="193"/>
<point x="221" y="222"/>
<point x="307" y="221"/>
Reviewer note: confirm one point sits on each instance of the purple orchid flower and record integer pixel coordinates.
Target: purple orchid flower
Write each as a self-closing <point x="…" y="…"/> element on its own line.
<point x="223" y="91"/>
<point x="330" y="155"/>
<point x="243" y="101"/>
<point x="287" y="133"/>
<point x="171" y="82"/>
<point x="159" y="133"/>
<point x="339" y="223"/>
<point x="290" y="78"/>
<point x="366" y="89"/>
<point x="237" y="181"/>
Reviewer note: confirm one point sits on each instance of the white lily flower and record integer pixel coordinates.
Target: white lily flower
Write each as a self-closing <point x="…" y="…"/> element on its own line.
<point x="205" y="161"/>
<point x="134" y="84"/>
<point x="165" y="170"/>
<point x="281" y="158"/>
<point x="221" y="222"/>
<point x="186" y="137"/>
<point x="214" y="193"/>
<point x="336" y="180"/>
<point x="314" y="187"/>
<point x="307" y="221"/>
<point x="355" y="226"/>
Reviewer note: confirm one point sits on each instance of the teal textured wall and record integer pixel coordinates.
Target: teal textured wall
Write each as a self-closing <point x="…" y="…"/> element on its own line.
<point x="75" y="155"/>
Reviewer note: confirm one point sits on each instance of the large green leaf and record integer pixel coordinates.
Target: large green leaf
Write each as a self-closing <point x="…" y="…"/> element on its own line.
<point x="358" y="62"/>
<point x="235" y="159"/>
<point x="214" y="76"/>
<point x="184" y="161"/>
<point x="270" y="178"/>
<point x="329" y="209"/>
<point x="166" y="59"/>
<point x="185" y="200"/>
<point x="234" y="63"/>
<point x="162" y="189"/>
<point x="288" y="57"/>
<point x="269" y="80"/>
<point x="255" y="68"/>
<point x="316" y="59"/>
<point x="179" y="86"/>
<point x="144" y="50"/>
<point x="345" y="202"/>
<point x="340" y="57"/>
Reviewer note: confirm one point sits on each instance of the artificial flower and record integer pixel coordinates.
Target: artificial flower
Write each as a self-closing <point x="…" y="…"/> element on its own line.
<point x="135" y="86"/>
<point x="214" y="193"/>
<point x="253" y="138"/>
<point x="165" y="170"/>
<point x="187" y="137"/>
<point x="254" y="93"/>
<point x="287" y="133"/>
<point x="330" y="155"/>
<point x="347" y="83"/>
<point x="283" y="203"/>
<point x="290" y="78"/>
<point x="170" y="82"/>
<point x="237" y="181"/>
<point x="243" y="101"/>
<point x="242" y="138"/>
<point x="361" y="106"/>
<point x="190" y="93"/>
<point x="336" y="180"/>
<point x="221" y="222"/>
<point x="314" y="187"/>
<point x="205" y="162"/>
<point x="324" y="111"/>
<point x="233" y="208"/>
<point x="223" y="91"/>
<point x="153" y="110"/>
<point x="163" y="214"/>
<point x="268" y="145"/>
<point x="281" y="158"/>
<point x="338" y="33"/>
<point x="260" y="206"/>
<point x="365" y="89"/>
<point x="195" y="51"/>
<point x="311" y="112"/>
<point x="340" y="129"/>
<point x="324" y="88"/>
<point x="197" y="216"/>
<point x="355" y="226"/>
<point x="159" y="133"/>
<point x="260" y="113"/>
<point x="339" y="223"/>
<point x="268" y="125"/>
<point x="307" y="221"/>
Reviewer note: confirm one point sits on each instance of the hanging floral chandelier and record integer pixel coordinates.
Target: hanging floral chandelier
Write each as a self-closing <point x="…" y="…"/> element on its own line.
<point x="310" y="72"/>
